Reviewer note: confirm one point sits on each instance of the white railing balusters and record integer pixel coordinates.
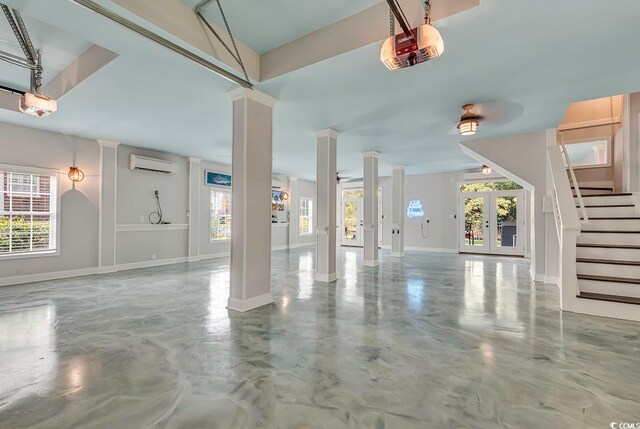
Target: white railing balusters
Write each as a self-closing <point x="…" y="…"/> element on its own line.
<point x="574" y="181"/>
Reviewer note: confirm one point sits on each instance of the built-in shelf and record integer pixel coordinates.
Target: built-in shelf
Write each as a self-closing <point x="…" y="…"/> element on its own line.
<point x="137" y="227"/>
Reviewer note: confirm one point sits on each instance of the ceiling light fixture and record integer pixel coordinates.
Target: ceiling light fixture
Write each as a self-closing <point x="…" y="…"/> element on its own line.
<point x="75" y="174"/>
<point x="412" y="46"/>
<point x="469" y="121"/>
<point x="486" y="170"/>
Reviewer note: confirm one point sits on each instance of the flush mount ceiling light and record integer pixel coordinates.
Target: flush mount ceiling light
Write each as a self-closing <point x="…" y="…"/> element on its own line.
<point x="75" y="174"/>
<point x="486" y="170"/>
<point x="469" y="122"/>
<point x="412" y="46"/>
<point x="33" y="102"/>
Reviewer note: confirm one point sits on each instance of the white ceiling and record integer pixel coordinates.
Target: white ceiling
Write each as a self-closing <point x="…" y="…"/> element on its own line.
<point x="522" y="62"/>
<point x="265" y="25"/>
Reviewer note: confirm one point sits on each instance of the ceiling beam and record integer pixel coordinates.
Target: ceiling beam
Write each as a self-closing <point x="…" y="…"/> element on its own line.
<point x="362" y="29"/>
<point x="88" y="63"/>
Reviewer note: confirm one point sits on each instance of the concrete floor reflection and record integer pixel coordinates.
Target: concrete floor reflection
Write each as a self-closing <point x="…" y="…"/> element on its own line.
<point x="430" y="340"/>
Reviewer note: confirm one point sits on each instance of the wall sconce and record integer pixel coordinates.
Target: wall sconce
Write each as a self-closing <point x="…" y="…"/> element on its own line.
<point x="469" y="122"/>
<point x="486" y="170"/>
<point x="75" y="174"/>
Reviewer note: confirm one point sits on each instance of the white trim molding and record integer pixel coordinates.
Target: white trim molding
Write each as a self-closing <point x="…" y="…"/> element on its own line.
<point x="243" y="305"/>
<point x="253" y="94"/>
<point x="138" y="227"/>
<point x="325" y="278"/>
<point x="328" y="132"/>
<point x="107" y="143"/>
<point x="40" y="277"/>
<point x="371" y="154"/>
<point x="431" y="249"/>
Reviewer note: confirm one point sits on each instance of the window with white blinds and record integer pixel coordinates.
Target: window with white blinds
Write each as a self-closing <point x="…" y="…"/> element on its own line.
<point x="220" y="215"/>
<point x="27" y="213"/>
<point x="305" y="219"/>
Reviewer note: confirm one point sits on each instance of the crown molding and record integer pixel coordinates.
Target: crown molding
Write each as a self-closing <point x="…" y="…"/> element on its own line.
<point x="253" y="94"/>
<point x="371" y="154"/>
<point x="328" y="132"/>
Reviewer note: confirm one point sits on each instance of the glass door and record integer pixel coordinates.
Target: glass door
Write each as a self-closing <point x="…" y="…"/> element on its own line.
<point x="474" y="224"/>
<point x="506" y="223"/>
<point x="352" y="222"/>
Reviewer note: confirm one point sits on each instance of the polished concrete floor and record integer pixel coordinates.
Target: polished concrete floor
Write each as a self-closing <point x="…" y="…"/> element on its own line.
<point x="428" y="341"/>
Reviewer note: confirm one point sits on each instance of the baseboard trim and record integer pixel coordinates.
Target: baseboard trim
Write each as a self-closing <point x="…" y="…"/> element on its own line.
<point x="152" y="263"/>
<point x="375" y="263"/>
<point x="107" y="270"/>
<point x="209" y="256"/>
<point x="550" y="280"/>
<point x="397" y="254"/>
<point x="386" y="247"/>
<point x="325" y="278"/>
<point x="297" y="245"/>
<point x="41" y="277"/>
<point x="283" y="247"/>
<point x="431" y="249"/>
<point x="244" y="305"/>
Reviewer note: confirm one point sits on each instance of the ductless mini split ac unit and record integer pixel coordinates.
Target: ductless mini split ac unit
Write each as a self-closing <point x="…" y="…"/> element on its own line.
<point x="137" y="162"/>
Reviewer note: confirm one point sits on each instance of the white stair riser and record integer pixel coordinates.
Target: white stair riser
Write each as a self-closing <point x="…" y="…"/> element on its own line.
<point x="609" y="238"/>
<point x="612" y="225"/>
<point x="609" y="270"/>
<point x="611" y="212"/>
<point x="611" y="254"/>
<point x="610" y="288"/>
<point x="605" y="201"/>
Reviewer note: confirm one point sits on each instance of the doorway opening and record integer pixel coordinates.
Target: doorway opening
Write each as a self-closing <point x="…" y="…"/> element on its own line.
<point x="492" y="218"/>
<point x="350" y="217"/>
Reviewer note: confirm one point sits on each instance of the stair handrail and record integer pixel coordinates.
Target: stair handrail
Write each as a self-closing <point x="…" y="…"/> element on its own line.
<point x="574" y="181"/>
<point x="569" y="227"/>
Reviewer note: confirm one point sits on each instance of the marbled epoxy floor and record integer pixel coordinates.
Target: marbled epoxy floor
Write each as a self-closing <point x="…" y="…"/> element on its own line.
<point x="429" y="341"/>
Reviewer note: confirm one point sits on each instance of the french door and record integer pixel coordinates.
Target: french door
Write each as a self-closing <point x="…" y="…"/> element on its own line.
<point x="351" y="235"/>
<point x="492" y="222"/>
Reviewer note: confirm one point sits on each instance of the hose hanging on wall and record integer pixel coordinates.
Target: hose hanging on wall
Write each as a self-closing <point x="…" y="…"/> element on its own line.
<point x="158" y="213"/>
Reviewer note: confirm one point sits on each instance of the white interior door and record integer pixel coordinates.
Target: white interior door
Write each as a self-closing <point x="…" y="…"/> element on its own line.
<point x="474" y="222"/>
<point x="351" y="234"/>
<point x="506" y="223"/>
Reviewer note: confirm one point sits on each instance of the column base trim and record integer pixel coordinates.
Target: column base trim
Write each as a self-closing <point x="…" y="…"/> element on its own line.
<point x="244" y="305"/>
<point x="325" y="278"/>
<point x="107" y="270"/>
<point x="375" y="263"/>
<point x="397" y="254"/>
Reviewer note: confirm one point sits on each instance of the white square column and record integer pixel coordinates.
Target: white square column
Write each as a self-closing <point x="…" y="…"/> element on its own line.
<point x="251" y="200"/>
<point x="326" y="172"/>
<point x="195" y="179"/>
<point x="397" y="212"/>
<point x="370" y="213"/>
<point x="107" y="208"/>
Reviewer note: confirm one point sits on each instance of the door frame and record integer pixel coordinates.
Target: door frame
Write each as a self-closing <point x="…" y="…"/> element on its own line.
<point x="490" y="226"/>
<point x="359" y="222"/>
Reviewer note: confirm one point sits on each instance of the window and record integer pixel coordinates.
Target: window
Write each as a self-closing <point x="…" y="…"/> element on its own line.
<point x="27" y="213"/>
<point x="305" y="220"/>
<point x="586" y="154"/>
<point x="220" y="215"/>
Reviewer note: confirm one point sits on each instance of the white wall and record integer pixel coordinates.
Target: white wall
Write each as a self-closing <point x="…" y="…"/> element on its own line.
<point x="136" y="200"/>
<point x="522" y="158"/>
<point x="439" y="195"/>
<point x="78" y="209"/>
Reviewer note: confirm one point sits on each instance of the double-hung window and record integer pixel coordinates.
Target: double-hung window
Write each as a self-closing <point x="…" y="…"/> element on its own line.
<point x="220" y="214"/>
<point x="305" y="216"/>
<point x="28" y="212"/>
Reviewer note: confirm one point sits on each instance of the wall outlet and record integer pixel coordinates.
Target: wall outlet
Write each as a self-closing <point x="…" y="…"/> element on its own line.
<point x="153" y="257"/>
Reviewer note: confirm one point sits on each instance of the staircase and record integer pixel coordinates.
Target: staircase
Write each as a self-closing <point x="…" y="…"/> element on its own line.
<point x="608" y="248"/>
